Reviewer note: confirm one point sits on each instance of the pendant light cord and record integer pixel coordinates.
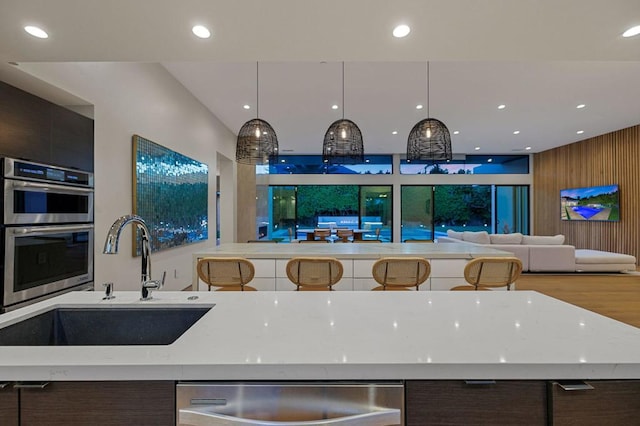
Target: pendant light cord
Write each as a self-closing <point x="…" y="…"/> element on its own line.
<point x="343" y="90"/>
<point x="428" y="116"/>
<point x="257" y="93"/>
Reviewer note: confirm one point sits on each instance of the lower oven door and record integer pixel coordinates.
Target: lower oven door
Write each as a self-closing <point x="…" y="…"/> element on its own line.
<point x="41" y="260"/>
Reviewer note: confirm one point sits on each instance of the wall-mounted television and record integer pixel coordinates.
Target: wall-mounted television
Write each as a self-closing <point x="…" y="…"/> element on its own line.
<point x="594" y="203"/>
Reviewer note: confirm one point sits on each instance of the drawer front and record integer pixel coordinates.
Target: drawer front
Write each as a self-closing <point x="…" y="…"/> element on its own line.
<point x="456" y="402"/>
<point x="609" y="402"/>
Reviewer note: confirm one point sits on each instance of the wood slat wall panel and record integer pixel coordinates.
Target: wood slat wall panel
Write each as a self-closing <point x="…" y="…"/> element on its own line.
<point x="613" y="158"/>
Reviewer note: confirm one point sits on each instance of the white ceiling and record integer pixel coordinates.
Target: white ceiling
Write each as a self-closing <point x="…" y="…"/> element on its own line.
<point x="539" y="57"/>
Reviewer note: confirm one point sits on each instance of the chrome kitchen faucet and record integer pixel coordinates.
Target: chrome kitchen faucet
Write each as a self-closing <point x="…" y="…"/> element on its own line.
<point x="111" y="247"/>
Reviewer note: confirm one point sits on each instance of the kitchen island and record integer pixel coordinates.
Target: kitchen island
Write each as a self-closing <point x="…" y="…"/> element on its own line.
<point x="446" y="347"/>
<point x="346" y="335"/>
<point x="447" y="261"/>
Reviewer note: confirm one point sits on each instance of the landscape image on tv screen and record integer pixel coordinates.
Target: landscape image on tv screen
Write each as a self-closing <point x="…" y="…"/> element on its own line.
<point x="592" y="203"/>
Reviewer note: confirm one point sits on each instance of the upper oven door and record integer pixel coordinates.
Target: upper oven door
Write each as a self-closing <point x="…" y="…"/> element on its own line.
<point x="27" y="202"/>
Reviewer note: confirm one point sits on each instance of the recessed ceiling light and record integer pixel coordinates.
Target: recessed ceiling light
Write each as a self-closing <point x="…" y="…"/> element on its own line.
<point x="528" y="148"/>
<point x="395" y="132"/>
<point x="477" y="148"/>
<point x="36" y="31"/>
<point x="516" y="132"/>
<point x="419" y="106"/>
<point x="246" y="106"/>
<point x="633" y="31"/>
<point x="457" y="132"/>
<point x="580" y="106"/>
<point x="502" y="106"/>
<point x="201" y="31"/>
<point x="580" y="132"/>
<point x="401" y="31"/>
<point x="334" y="106"/>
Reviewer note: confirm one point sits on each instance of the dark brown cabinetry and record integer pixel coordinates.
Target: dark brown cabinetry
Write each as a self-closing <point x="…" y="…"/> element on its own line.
<point x="35" y="129"/>
<point x="608" y="402"/>
<point x="137" y="403"/>
<point x="9" y="405"/>
<point x="456" y="402"/>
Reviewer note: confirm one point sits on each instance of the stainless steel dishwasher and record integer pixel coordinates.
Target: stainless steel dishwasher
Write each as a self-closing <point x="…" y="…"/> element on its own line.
<point x="290" y="403"/>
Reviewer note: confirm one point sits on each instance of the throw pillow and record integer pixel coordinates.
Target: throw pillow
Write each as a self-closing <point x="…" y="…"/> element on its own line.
<point x="480" y="237"/>
<point x="454" y="234"/>
<point x="536" y="240"/>
<point x="515" y="238"/>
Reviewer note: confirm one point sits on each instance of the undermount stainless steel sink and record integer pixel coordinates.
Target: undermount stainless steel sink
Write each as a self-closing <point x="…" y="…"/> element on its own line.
<point x="113" y="326"/>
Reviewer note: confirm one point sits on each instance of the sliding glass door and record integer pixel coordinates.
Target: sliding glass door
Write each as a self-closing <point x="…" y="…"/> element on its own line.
<point x="416" y="212"/>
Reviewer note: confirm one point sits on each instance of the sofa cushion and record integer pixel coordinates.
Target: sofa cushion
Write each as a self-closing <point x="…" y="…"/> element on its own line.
<point x="585" y="256"/>
<point x="480" y="237"/>
<point x="454" y="234"/>
<point x="537" y="240"/>
<point x="515" y="238"/>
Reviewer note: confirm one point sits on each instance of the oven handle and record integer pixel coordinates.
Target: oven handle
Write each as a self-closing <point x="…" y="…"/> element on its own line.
<point x="49" y="187"/>
<point x="202" y="417"/>
<point x="51" y="229"/>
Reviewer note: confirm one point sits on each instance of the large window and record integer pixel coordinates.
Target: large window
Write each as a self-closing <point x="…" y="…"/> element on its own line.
<point x="429" y="211"/>
<point x="462" y="208"/>
<point x="305" y="207"/>
<point x="470" y="165"/>
<point x="313" y="165"/>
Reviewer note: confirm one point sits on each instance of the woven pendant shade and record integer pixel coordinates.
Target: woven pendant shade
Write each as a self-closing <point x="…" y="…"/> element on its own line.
<point x="343" y="140"/>
<point x="343" y="143"/>
<point x="257" y="141"/>
<point x="429" y="140"/>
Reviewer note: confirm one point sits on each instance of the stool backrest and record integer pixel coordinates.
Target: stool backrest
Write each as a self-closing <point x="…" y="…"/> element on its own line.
<point x="314" y="271"/>
<point x="493" y="271"/>
<point x="401" y="271"/>
<point x="225" y="271"/>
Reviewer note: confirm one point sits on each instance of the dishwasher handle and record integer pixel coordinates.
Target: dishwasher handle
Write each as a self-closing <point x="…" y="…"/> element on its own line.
<point x="202" y="417"/>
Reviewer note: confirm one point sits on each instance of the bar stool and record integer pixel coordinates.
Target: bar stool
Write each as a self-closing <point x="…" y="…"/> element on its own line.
<point x="314" y="273"/>
<point x="226" y="273"/>
<point x="483" y="273"/>
<point x="400" y="273"/>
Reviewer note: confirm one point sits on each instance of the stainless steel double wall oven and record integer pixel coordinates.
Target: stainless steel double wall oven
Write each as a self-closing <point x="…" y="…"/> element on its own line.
<point x="47" y="231"/>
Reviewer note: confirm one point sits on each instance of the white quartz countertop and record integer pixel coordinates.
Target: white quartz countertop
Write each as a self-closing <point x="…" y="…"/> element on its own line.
<point x="347" y="336"/>
<point x="350" y="250"/>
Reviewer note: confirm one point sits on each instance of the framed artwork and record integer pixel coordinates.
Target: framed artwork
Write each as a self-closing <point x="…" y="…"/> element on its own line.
<point x="170" y="193"/>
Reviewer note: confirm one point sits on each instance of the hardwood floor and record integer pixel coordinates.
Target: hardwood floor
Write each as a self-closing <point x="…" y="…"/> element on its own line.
<point x="613" y="295"/>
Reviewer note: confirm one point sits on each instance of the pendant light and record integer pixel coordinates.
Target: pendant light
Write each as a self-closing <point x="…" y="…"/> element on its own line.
<point x="429" y="140"/>
<point x="343" y="140"/>
<point x="257" y="141"/>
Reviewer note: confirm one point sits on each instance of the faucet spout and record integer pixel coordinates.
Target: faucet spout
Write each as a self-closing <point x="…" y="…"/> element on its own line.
<point x="113" y="238"/>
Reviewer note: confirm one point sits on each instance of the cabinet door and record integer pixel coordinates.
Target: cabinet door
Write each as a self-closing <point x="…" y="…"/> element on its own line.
<point x="609" y="402"/>
<point x="456" y="402"/>
<point x="25" y="125"/>
<point x="8" y="405"/>
<point x="149" y="403"/>
<point x="71" y="139"/>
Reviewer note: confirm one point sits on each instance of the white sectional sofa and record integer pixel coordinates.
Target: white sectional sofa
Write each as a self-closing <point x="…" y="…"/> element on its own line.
<point x="546" y="253"/>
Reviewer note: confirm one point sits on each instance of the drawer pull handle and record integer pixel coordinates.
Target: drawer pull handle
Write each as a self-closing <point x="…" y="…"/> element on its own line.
<point x="480" y="382"/>
<point x="31" y="385"/>
<point x="574" y="385"/>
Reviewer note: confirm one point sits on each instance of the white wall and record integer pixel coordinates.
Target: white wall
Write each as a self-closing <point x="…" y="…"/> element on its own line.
<point x="143" y="99"/>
